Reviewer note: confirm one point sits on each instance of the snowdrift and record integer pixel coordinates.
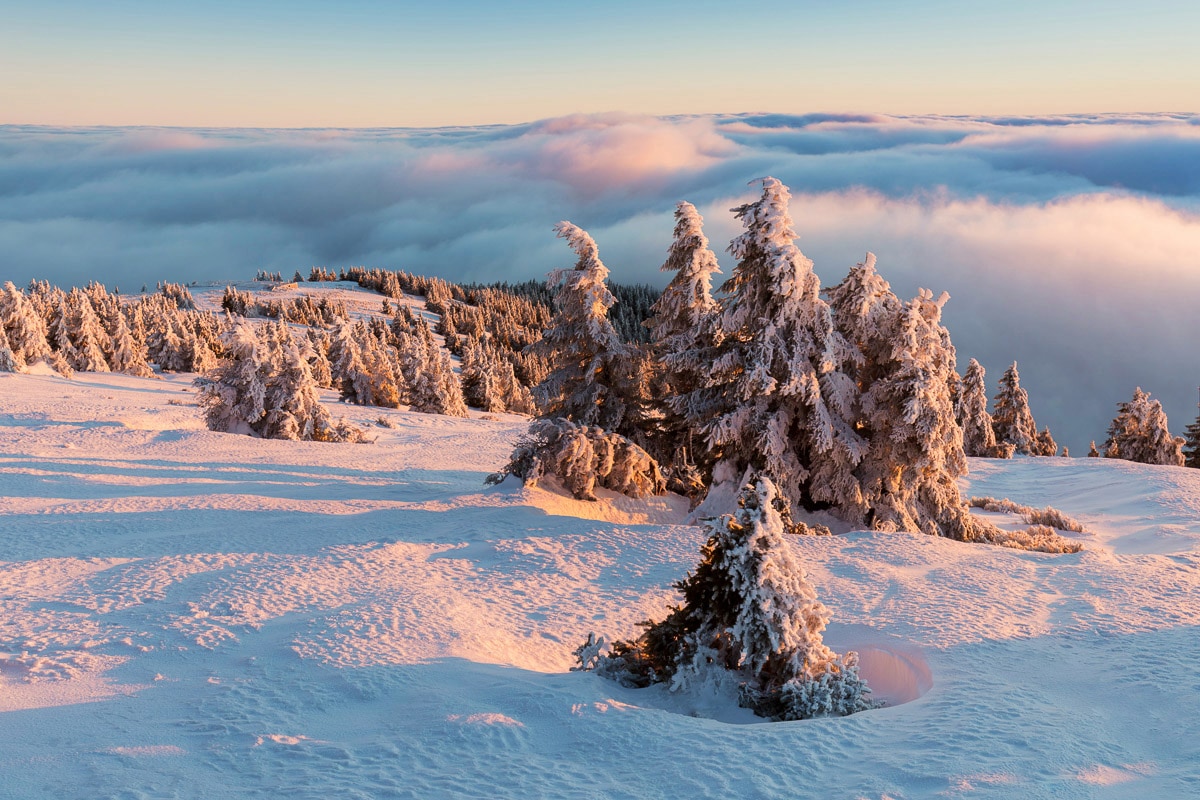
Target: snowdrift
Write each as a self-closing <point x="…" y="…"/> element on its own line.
<point x="192" y="614"/>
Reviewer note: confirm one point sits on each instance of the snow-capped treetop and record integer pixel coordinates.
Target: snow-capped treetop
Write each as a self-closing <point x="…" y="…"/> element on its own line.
<point x="862" y="304"/>
<point x="582" y="300"/>
<point x="687" y="300"/>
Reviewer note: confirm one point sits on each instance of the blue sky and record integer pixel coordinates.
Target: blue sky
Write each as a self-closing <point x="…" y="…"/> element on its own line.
<point x="366" y="63"/>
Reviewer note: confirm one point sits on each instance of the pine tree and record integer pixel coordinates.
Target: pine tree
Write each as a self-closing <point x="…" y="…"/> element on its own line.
<point x="748" y="607"/>
<point x="586" y="353"/>
<point x="582" y="458"/>
<point x="432" y="385"/>
<point x="777" y="400"/>
<point x="24" y="327"/>
<point x="126" y="355"/>
<point x="233" y="395"/>
<point x="1011" y="419"/>
<point x="1191" y="447"/>
<point x="83" y="337"/>
<point x="683" y="328"/>
<point x="265" y="387"/>
<point x="915" y="449"/>
<point x="1139" y="433"/>
<point x="1092" y="451"/>
<point x="376" y="379"/>
<point x="315" y="348"/>
<point x="979" y="438"/>
<point x="8" y="360"/>
<point x="292" y="406"/>
<point x="350" y="375"/>
<point x="1044" y="444"/>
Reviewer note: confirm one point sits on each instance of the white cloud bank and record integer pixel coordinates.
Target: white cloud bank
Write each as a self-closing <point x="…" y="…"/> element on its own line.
<point x="1069" y="244"/>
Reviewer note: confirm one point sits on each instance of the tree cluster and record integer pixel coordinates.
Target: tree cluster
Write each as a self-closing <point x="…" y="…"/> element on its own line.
<point x="1139" y="433"/>
<point x="304" y="310"/>
<point x="266" y="387"/>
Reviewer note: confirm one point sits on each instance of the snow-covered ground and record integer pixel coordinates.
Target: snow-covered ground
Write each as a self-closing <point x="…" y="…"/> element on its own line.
<point x="194" y="614"/>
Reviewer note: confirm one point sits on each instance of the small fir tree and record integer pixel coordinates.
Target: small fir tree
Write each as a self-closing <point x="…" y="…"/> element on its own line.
<point x="1044" y="444"/>
<point x="1191" y="444"/>
<point x="1012" y="420"/>
<point x="749" y="608"/>
<point x="979" y="437"/>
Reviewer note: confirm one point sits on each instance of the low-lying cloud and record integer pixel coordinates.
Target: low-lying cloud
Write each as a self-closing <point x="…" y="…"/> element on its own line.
<point x="1067" y="243"/>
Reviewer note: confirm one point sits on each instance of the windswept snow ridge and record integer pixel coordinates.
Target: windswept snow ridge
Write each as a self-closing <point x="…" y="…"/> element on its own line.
<point x="186" y="613"/>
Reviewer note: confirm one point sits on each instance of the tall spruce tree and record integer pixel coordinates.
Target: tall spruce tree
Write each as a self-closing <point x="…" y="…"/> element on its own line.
<point x="777" y="400"/>
<point x="683" y="329"/>
<point x="585" y="385"/>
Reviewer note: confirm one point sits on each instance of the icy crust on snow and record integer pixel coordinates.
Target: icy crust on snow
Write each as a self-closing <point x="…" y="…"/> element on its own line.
<point x="192" y="614"/>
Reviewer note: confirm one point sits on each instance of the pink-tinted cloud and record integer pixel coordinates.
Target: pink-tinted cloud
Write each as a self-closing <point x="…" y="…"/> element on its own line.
<point x="1066" y="242"/>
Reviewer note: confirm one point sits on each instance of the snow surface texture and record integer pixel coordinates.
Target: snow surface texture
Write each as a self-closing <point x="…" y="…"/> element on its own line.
<point x="186" y="613"/>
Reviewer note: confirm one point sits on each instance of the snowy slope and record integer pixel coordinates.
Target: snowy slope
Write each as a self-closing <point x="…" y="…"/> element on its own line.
<point x="193" y="614"/>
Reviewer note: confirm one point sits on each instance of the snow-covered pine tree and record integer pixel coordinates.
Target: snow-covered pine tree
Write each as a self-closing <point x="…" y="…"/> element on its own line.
<point x="1139" y="433"/>
<point x="200" y="338"/>
<point x="1044" y="444"/>
<point x="1092" y="451"/>
<point x="582" y="457"/>
<point x="432" y="385"/>
<point x="515" y="395"/>
<point x="1012" y="420"/>
<point x="165" y="345"/>
<point x="748" y="607"/>
<point x="85" y="335"/>
<point x="379" y="382"/>
<point x="314" y="346"/>
<point x="233" y="395"/>
<point x="915" y="451"/>
<point x="292" y="406"/>
<point x="126" y="355"/>
<point x="8" y="359"/>
<point x="594" y="393"/>
<point x="778" y="400"/>
<point x="589" y="359"/>
<point x="683" y="330"/>
<point x="264" y="387"/>
<point x="1191" y="444"/>
<point x="979" y="438"/>
<point x="479" y="381"/>
<point x="23" y="326"/>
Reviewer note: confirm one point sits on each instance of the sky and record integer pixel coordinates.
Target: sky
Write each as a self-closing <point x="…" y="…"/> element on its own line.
<point x="1038" y="161"/>
<point x="369" y="63"/>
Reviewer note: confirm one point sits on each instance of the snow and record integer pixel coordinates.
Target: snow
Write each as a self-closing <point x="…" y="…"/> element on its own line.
<point x="186" y="613"/>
